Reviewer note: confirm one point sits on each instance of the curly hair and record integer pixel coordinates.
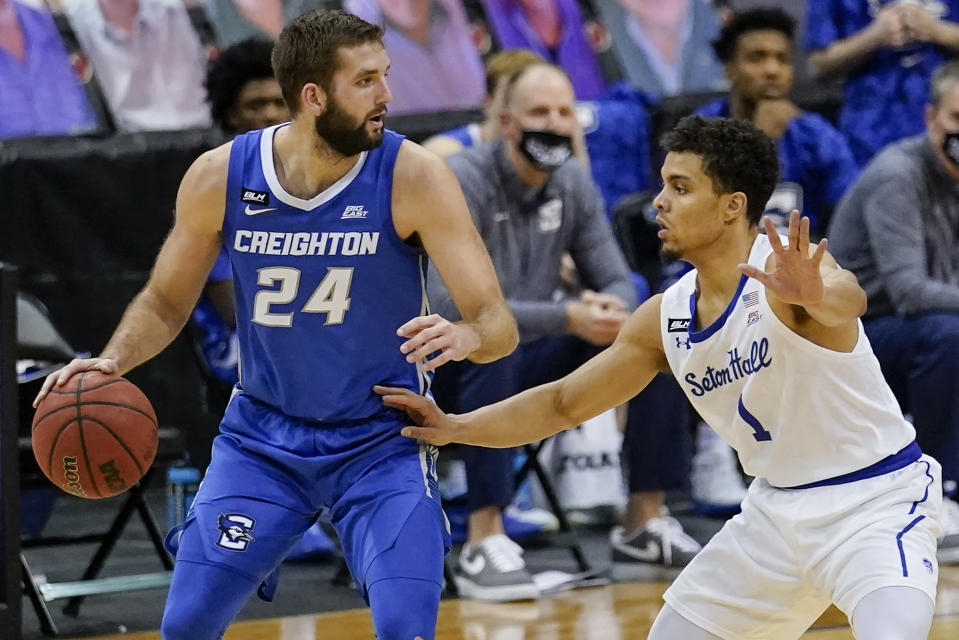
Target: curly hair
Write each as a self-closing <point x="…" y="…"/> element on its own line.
<point x="753" y="20"/>
<point x="226" y="76"/>
<point x="735" y="154"/>
<point x="308" y="49"/>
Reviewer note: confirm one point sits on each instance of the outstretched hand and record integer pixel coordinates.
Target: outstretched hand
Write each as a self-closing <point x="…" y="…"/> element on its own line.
<point x="433" y="425"/>
<point x="795" y="277"/>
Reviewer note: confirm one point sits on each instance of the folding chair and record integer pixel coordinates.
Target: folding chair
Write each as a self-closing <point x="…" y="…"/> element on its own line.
<point x="41" y="349"/>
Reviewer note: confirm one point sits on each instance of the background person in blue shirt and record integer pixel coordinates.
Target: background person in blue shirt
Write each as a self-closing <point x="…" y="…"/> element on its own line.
<point x="817" y="166"/>
<point x="889" y="51"/>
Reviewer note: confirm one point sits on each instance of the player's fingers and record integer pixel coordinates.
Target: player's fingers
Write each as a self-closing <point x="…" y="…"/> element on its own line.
<point x="393" y="391"/>
<point x="820" y="251"/>
<point x="794" y="230"/>
<point x="445" y="356"/>
<point x="753" y="272"/>
<point x="436" y="344"/>
<point x="108" y="367"/>
<point x="417" y="324"/>
<point x="421" y="433"/>
<point x="772" y="234"/>
<point x="45" y="389"/>
<point x="420" y="338"/>
<point x="804" y="236"/>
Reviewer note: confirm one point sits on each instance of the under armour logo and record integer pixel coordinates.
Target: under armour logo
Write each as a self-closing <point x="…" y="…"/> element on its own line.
<point x="682" y="342"/>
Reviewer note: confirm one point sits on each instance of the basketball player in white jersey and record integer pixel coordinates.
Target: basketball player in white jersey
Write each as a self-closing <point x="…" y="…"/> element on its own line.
<point x="765" y="339"/>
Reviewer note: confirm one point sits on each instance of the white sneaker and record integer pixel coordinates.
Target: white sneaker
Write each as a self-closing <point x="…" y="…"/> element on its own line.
<point x="717" y="484"/>
<point x="494" y="570"/>
<point x="948" y="551"/>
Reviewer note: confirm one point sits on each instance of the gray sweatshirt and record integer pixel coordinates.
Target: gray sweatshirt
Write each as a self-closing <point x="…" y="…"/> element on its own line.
<point x="526" y="232"/>
<point x="897" y="229"/>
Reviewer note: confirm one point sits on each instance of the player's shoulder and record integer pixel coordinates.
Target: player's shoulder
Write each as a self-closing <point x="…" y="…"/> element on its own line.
<point x="414" y="163"/>
<point x="209" y="171"/>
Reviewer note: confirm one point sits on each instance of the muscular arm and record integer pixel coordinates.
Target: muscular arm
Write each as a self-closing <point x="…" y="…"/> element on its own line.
<point x="607" y="380"/>
<point x="159" y="311"/>
<point x="428" y="202"/>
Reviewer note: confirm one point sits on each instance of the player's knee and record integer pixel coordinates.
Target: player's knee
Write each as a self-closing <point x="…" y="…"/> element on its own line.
<point x="404" y="609"/>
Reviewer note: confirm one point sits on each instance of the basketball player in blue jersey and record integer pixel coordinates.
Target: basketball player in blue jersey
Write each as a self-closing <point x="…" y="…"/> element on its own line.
<point x="328" y="221"/>
<point x="765" y="339"/>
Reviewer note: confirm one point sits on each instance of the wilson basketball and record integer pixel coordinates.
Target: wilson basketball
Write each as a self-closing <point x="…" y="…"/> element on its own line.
<point x="95" y="436"/>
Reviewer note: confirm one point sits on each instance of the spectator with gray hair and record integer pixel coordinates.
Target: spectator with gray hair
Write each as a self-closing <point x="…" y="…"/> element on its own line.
<point x="897" y="228"/>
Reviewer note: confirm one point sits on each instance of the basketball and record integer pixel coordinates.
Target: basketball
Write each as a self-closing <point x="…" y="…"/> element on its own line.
<point x="95" y="436"/>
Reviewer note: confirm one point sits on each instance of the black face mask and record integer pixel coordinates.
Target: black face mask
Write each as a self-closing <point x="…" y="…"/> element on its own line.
<point x="546" y="150"/>
<point x="950" y="147"/>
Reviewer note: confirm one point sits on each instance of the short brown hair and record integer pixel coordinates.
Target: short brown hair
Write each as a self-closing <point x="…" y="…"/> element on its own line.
<point x="505" y="63"/>
<point x="307" y="49"/>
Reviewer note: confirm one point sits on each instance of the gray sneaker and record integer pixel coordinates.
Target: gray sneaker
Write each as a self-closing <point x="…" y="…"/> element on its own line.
<point x="494" y="571"/>
<point x="657" y="552"/>
<point x="948" y="548"/>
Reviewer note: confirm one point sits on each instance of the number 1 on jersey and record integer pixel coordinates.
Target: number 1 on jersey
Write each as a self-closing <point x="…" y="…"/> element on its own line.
<point x="332" y="295"/>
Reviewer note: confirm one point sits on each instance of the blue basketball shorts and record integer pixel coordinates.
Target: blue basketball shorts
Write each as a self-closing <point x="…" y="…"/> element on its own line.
<point x="271" y="475"/>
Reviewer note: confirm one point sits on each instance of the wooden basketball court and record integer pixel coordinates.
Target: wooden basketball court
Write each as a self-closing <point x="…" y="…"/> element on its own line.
<point x="615" y="612"/>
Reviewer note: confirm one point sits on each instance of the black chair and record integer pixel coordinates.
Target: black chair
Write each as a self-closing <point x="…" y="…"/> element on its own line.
<point x="635" y="229"/>
<point x="41" y="349"/>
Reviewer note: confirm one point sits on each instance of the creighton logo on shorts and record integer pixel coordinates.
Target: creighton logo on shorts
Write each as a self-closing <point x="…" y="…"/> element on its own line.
<point x="235" y="531"/>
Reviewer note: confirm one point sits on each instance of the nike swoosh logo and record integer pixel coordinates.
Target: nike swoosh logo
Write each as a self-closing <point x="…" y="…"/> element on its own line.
<point x="650" y="553"/>
<point x="253" y="212"/>
<point x="473" y="566"/>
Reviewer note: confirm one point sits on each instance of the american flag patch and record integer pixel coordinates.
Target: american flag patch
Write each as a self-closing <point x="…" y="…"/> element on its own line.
<point x="751" y="299"/>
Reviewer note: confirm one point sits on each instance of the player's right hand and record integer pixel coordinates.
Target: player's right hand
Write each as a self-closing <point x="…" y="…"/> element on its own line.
<point x="59" y="377"/>
<point x="433" y="426"/>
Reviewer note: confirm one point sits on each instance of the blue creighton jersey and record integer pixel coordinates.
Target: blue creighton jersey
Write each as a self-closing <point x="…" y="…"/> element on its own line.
<point x="321" y="285"/>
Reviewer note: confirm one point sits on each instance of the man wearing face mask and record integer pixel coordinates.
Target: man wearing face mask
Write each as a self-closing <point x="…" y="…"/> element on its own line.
<point x="531" y="203"/>
<point x="897" y="228"/>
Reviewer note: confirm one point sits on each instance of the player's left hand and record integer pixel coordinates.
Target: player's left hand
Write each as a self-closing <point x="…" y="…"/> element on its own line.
<point x="428" y="334"/>
<point x="434" y="426"/>
<point x="795" y="277"/>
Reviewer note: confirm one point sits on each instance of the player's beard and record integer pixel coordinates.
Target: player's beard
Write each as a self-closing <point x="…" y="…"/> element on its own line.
<point x="668" y="255"/>
<point x="344" y="134"/>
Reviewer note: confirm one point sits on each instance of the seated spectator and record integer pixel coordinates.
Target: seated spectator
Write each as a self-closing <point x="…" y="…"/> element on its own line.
<point x="499" y="67"/>
<point x="897" y="228"/>
<point x="664" y="46"/>
<point x="39" y="92"/>
<point x="148" y="59"/>
<point x="236" y="20"/>
<point x="554" y="30"/>
<point x="817" y="166"/>
<point x="524" y="191"/>
<point x="888" y="51"/>
<point x="436" y="66"/>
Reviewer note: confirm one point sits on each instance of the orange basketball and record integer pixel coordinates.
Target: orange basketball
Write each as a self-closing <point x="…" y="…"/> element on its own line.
<point x="96" y="436"/>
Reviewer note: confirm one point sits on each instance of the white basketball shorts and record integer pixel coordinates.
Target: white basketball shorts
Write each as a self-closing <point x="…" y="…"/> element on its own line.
<point x="775" y="567"/>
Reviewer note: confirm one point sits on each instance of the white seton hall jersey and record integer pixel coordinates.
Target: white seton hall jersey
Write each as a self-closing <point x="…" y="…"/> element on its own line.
<point x="796" y="413"/>
<point x="321" y="285"/>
